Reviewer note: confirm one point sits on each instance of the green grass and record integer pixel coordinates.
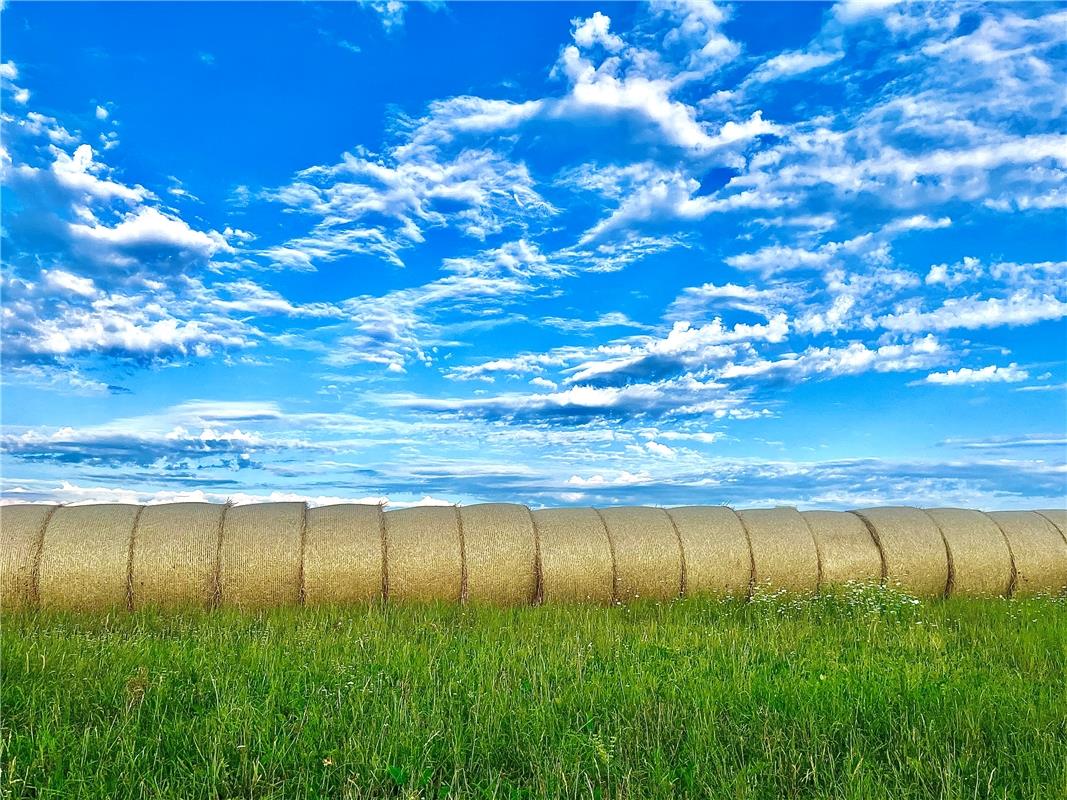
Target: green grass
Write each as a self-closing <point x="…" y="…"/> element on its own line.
<point x="864" y="695"/>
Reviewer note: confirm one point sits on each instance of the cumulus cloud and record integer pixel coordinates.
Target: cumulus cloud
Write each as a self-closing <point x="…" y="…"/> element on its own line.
<point x="967" y="376"/>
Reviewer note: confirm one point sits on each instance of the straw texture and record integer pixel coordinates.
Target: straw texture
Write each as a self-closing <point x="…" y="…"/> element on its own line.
<point x="343" y="555"/>
<point x="847" y="552"/>
<point x="916" y="559"/>
<point x="1038" y="549"/>
<point x="21" y="527"/>
<point x="85" y="557"/>
<point x="783" y="550"/>
<point x="981" y="561"/>
<point x="576" y="558"/>
<point x="1058" y="517"/>
<point x="717" y="557"/>
<point x="501" y="556"/>
<point x="648" y="560"/>
<point x="259" y="561"/>
<point x="425" y="554"/>
<point x="174" y="555"/>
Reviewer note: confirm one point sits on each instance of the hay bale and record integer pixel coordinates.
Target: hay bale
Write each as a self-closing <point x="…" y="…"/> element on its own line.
<point x="1038" y="550"/>
<point x="501" y="553"/>
<point x="718" y="560"/>
<point x="259" y="560"/>
<point x="21" y="532"/>
<point x="425" y="554"/>
<point x="847" y="552"/>
<point x="85" y="557"/>
<point x="912" y="547"/>
<point x="648" y="557"/>
<point x="1058" y="517"/>
<point x="343" y="554"/>
<point x="977" y="551"/>
<point x="577" y="563"/>
<point x="175" y="554"/>
<point x="783" y="550"/>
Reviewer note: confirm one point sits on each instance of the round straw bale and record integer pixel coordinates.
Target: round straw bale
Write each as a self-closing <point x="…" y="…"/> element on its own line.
<point x="847" y="552"/>
<point x="174" y="555"/>
<point x="259" y="561"/>
<point x="21" y="529"/>
<point x="978" y="553"/>
<point x="501" y="553"/>
<point x="576" y="557"/>
<point x="718" y="560"/>
<point x="648" y="559"/>
<point x="1038" y="550"/>
<point x="425" y="554"/>
<point x="913" y="549"/>
<point x="783" y="549"/>
<point x="343" y="554"/>
<point x="85" y="557"/>
<point x="1058" y="517"/>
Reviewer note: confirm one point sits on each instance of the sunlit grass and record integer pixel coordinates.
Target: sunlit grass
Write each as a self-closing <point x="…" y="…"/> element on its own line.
<point x="866" y="694"/>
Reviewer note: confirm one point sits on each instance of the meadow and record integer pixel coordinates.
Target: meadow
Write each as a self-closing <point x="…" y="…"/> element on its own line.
<point x="860" y="694"/>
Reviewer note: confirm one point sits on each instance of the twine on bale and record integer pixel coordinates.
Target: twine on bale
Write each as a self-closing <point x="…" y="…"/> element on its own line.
<point x="614" y="558"/>
<point x="216" y="597"/>
<point x="129" y="560"/>
<point x="21" y="535"/>
<point x="84" y="557"/>
<point x="683" y="589"/>
<point x="1038" y="549"/>
<point x="343" y="560"/>
<point x="916" y="558"/>
<point x="980" y="563"/>
<point x="846" y="549"/>
<point x="575" y="555"/>
<point x="539" y="591"/>
<point x="174" y="560"/>
<point x="425" y="556"/>
<point x="385" y="552"/>
<point x="1058" y="517"/>
<point x="717" y="557"/>
<point x="642" y="542"/>
<point x="783" y="550"/>
<point x="500" y="553"/>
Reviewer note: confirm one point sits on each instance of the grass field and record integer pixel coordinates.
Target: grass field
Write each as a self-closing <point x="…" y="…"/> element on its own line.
<point x="863" y="695"/>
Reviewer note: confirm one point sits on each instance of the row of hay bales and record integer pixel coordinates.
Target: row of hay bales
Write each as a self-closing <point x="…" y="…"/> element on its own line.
<point x="272" y="554"/>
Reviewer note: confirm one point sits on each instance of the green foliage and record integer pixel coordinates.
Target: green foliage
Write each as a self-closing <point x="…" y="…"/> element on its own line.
<point x="863" y="694"/>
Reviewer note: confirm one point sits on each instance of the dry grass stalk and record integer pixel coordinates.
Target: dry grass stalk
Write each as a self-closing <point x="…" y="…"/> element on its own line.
<point x="85" y="557"/>
<point x="576" y="558"/>
<point x="783" y="550"/>
<point x="174" y="555"/>
<point x="648" y="558"/>
<point x="425" y="554"/>
<point x="717" y="557"/>
<point x="916" y="558"/>
<point x="21" y="532"/>
<point x="981" y="561"/>
<point x="1038" y="549"/>
<point x="259" y="562"/>
<point x="342" y="555"/>
<point x="500" y="551"/>
<point x="847" y="551"/>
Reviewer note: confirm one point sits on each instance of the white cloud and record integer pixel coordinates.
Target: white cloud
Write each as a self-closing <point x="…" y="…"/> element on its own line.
<point x="101" y="113"/>
<point x="596" y="30"/>
<point x="967" y="376"/>
<point x="1019" y="308"/>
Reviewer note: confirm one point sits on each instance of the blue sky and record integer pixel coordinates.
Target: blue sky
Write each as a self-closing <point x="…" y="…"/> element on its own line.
<point x="552" y="253"/>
